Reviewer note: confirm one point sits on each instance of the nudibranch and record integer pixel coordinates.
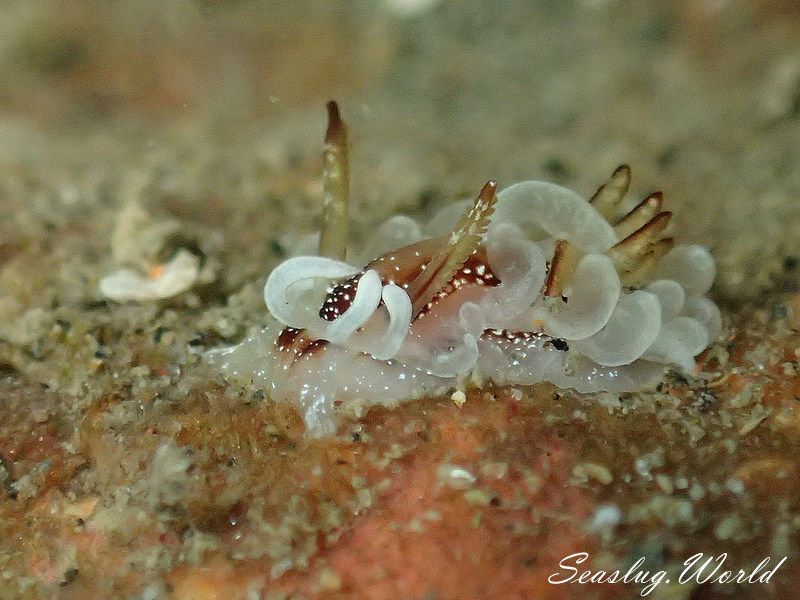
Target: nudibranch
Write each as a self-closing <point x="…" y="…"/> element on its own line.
<point x="521" y="285"/>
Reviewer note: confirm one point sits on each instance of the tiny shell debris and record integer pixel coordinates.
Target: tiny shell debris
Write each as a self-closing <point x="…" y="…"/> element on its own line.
<point x="478" y="497"/>
<point x="455" y="477"/>
<point x="161" y="281"/>
<point x="586" y="470"/>
<point x="606" y="517"/>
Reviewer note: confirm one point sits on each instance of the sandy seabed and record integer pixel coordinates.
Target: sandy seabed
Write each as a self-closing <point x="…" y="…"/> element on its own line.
<point x="128" y="469"/>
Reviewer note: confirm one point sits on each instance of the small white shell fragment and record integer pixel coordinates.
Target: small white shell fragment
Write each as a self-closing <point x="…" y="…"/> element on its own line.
<point x="607" y="516"/>
<point x="165" y="281"/>
<point x="586" y="470"/>
<point x="455" y="477"/>
<point x="459" y="398"/>
<point x="137" y="236"/>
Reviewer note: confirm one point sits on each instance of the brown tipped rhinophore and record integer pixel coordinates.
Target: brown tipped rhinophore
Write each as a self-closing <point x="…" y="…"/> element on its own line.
<point x="337" y="130"/>
<point x="464" y="240"/>
<point x="606" y="199"/>
<point x="640" y="215"/>
<point x="336" y="188"/>
<point x="643" y="270"/>
<point x="641" y="246"/>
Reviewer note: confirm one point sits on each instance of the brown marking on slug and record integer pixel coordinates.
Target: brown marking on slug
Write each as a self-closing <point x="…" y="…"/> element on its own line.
<point x="474" y="271"/>
<point x="336" y="132"/>
<point x="339" y="298"/>
<point x="637" y="255"/>
<point x="463" y="241"/>
<point x="514" y="336"/>
<point x="404" y="265"/>
<point x="524" y="337"/>
<point x="295" y="344"/>
<point x="401" y="267"/>
<point x="565" y="259"/>
<point x="429" y="269"/>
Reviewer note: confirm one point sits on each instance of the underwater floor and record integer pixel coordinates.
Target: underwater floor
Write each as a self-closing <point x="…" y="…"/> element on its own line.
<point x="131" y="469"/>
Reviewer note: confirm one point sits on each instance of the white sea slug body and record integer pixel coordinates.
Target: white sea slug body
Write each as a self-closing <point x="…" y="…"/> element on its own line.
<point x="532" y="284"/>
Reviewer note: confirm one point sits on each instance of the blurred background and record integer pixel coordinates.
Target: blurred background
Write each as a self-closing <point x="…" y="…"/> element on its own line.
<point x="212" y="112"/>
<point x="131" y="129"/>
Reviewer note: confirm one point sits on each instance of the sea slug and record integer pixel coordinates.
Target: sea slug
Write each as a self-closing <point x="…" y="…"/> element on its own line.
<point x="521" y="285"/>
